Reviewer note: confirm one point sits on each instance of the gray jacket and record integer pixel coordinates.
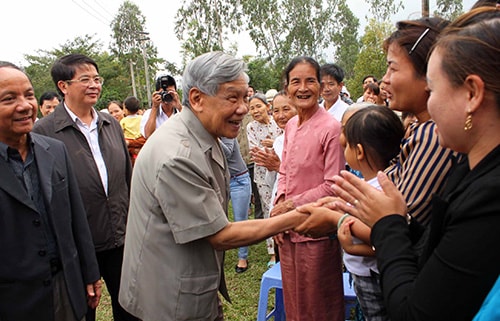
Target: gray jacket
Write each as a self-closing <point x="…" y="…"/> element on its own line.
<point x="106" y="214"/>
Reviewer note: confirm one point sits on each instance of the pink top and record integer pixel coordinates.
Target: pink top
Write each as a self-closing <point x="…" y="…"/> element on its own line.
<point x="312" y="155"/>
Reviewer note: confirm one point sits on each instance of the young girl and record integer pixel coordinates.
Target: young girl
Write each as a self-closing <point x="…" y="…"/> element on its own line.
<point x="372" y="138"/>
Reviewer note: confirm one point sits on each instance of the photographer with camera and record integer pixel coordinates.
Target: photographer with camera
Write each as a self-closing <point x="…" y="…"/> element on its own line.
<point x="165" y="104"/>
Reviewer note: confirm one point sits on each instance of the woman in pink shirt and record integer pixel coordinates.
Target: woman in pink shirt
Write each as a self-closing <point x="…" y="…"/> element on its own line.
<point x="312" y="155"/>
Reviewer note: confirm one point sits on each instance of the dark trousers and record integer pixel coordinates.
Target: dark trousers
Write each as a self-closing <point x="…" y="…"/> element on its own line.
<point x="110" y="266"/>
<point x="257" y="211"/>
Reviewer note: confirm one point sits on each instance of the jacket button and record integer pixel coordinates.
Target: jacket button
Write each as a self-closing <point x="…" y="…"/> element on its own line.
<point x="36" y="222"/>
<point x="42" y="252"/>
<point x="46" y="282"/>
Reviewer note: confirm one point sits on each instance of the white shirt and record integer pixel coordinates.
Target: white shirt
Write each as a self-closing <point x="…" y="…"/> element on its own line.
<point x="92" y="135"/>
<point x="362" y="265"/>
<point x="160" y="119"/>
<point x="338" y="109"/>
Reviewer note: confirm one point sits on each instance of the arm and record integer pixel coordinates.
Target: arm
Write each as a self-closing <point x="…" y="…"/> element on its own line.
<point x="243" y="233"/>
<point x="346" y="241"/>
<point x="422" y="168"/>
<point x="150" y="125"/>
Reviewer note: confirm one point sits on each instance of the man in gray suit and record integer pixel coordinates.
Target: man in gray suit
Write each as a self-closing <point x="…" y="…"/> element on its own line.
<point x="178" y="227"/>
<point x="49" y="269"/>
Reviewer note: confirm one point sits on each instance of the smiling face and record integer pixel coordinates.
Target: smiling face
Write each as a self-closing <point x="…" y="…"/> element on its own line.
<point x="18" y="105"/>
<point x="446" y="106"/>
<point x="116" y="111"/>
<point x="259" y="110"/>
<point x="78" y="94"/>
<point x="48" y="106"/>
<point x="405" y="91"/>
<point x="222" y="114"/>
<point x="304" y="86"/>
<point x="283" y="110"/>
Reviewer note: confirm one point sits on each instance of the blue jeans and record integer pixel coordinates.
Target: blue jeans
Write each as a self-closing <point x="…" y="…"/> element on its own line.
<point x="240" y="193"/>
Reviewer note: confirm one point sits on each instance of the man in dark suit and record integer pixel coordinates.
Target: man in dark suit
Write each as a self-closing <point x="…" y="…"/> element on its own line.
<point x="48" y="267"/>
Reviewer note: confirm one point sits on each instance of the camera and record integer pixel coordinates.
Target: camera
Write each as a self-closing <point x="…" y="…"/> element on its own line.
<point x="163" y="82"/>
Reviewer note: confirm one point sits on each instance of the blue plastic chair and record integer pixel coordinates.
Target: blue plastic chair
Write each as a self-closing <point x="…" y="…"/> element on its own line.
<point x="271" y="279"/>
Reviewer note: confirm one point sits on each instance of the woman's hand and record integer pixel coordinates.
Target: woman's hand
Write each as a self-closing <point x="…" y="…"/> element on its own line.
<point x="282" y="206"/>
<point x="266" y="157"/>
<point x="267" y="142"/>
<point x="322" y="221"/>
<point x="366" y="202"/>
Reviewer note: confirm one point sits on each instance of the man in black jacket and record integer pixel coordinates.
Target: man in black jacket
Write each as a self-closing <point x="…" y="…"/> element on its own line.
<point x="97" y="149"/>
<point x="49" y="270"/>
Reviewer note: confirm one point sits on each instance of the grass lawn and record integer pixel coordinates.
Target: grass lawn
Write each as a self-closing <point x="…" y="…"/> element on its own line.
<point x="243" y="288"/>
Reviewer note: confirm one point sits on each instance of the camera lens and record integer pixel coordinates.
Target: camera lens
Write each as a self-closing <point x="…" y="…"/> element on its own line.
<point x="167" y="97"/>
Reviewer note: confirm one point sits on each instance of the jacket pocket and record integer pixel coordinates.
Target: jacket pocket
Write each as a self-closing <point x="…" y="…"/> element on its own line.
<point x="198" y="298"/>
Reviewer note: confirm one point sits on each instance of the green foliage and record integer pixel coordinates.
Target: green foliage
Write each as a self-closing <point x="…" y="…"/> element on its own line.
<point x="348" y="45"/>
<point x="371" y="60"/>
<point x="262" y="75"/>
<point x="449" y="9"/>
<point x="382" y="10"/>
<point x="39" y="65"/>
<point x="131" y="45"/>
<point x="204" y="25"/>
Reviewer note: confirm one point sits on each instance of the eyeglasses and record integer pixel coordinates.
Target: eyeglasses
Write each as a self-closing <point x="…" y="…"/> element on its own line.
<point x="87" y="80"/>
<point x="418" y="40"/>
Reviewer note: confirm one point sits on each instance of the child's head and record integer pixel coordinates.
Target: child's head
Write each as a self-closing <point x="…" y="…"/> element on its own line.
<point x="373" y="134"/>
<point x="132" y="105"/>
<point x="345" y="117"/>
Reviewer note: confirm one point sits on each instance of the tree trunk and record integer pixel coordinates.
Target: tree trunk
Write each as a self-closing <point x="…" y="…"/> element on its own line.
<point x="425" y="8"/>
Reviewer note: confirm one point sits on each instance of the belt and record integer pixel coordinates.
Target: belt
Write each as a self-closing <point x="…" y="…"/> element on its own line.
<point x="242" y="173"/>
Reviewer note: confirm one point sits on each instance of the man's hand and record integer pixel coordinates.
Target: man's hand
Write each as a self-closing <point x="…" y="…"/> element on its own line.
<point x="94" y="292"/>
<point x="156" y="101"/>
<point x="321" y="222"/>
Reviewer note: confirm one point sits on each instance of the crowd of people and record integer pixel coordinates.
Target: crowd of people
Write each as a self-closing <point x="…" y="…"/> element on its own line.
<point x="398" y="188"/>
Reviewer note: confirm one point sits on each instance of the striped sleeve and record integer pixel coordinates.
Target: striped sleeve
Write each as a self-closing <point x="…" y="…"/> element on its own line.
<point x="421" y="169"/>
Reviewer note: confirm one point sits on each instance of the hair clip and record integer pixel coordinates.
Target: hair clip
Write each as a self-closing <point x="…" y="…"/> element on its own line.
<point x="418" y="40"/>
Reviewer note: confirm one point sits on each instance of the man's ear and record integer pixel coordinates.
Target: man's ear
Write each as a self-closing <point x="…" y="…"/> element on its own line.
<point x="196" y="99"/>
<point x="62" y="85"/>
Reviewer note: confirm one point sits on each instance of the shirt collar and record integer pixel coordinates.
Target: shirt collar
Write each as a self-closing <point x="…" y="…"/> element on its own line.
<point x="75" y="118"/>
<point x="4" y="147"/>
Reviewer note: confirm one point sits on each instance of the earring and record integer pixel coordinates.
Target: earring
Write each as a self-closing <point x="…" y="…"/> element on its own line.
<point x="468" y="123"/>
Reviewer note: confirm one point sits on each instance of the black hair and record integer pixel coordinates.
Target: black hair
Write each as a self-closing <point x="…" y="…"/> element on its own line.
<point x="334" y="71"/>
<point x="374" y="87"/>
<point x="379" y="130"/>
<point x="369" y="76"/>
<point x="132" y="104"/>
<point x="297" y="60"/>
<point x="48" y="95"/>
<point x="165" y="80"/>
<point x="64" y="68"/>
